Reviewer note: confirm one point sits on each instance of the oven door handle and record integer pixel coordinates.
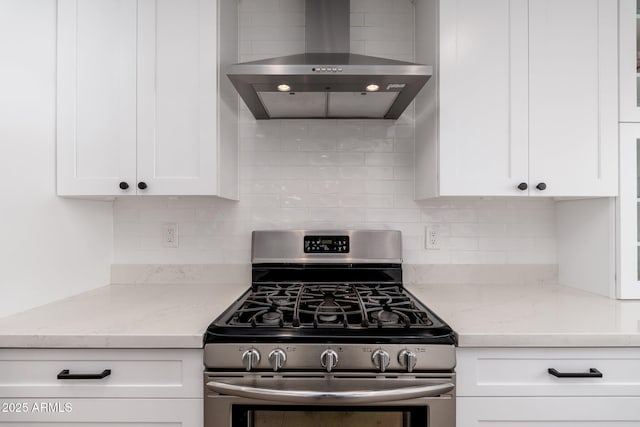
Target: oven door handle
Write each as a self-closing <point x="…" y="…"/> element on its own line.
<point x="330" y="397"/>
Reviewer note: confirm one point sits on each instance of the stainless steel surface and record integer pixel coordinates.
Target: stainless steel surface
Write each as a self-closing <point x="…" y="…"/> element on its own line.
<point x="381" y="359"/>
<point x="329" y="359"/>
<point x="330" y="31"/>
<point x="287" y="338"/>
<point x="250" y="358"/>
<point x="434" y="392"/>
<point x="407" y="359"/>
<point x="328" y="69"/>
<point x="307" y="356"/>
<point x="282" y="105"/>
<point x="326" y="397"/>
<point x="361" y="104"/>
<point x="366" y="246"/>
<point x="277" y="358"/>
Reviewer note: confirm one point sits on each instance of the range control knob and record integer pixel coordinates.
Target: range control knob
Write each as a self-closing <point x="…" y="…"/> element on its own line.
<point x="277" y="358"/>
<point x="407" y="359"/>
<point x="380" y="359"/>
<point x="250" y="358"/>
<point x="329" y="359"/>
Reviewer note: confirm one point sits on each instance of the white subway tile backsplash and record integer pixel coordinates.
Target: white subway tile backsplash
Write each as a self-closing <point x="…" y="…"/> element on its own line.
<point x="309" y="172"/>
<point x="357" y="19"/>
<point x="461" y="243"/>
<point x="357" y="47"/>
<point x="342" y="159"/>
<point x="379" y="187"/>
<point x="477" y="229"/>
<point x="259" y="5"/>
<point x="372" y="33"/>
<point x="370" y="172"/>
<point x="332" y="173"/>
<point x="281" y="19"/>
<point x="393" y="215"/>
<point x="276" y="47"/>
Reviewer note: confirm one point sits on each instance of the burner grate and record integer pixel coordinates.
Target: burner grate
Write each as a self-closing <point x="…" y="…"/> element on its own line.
<point x="329" y="305"/>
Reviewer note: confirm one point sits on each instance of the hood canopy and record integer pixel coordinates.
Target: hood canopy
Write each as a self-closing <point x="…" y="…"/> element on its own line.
<point x="327" y="81"/>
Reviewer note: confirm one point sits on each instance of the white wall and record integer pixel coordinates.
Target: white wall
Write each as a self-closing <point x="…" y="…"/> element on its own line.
<point x="49" y="247"/>
<point x="329" y="173"/>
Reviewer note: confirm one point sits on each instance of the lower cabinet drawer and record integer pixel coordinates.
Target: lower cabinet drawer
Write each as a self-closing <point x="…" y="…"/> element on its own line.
<point x="525" y="371"/>
<point x="547" y="411"/>
<point x="137" y="373"/>
<point x="101" y="412"/>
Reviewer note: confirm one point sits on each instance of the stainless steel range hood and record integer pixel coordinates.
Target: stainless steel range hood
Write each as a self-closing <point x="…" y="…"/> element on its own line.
<point x="327" y="81"/>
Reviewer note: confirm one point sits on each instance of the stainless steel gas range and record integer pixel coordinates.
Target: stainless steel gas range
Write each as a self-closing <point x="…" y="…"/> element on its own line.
<point x="327" y="335"/>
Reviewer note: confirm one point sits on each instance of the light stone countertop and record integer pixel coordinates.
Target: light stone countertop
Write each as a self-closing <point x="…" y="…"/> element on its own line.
<point x="532" y="315"/>
<point x="122" y="316"/>
<point x="176" y="316"/>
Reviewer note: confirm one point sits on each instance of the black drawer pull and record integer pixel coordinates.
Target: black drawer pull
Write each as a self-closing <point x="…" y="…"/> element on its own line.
<point x="65" y="375"/>
<point x="593" y="373"/>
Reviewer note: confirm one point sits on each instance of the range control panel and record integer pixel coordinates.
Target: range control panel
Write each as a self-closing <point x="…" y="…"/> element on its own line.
<point x="326" y="244"/>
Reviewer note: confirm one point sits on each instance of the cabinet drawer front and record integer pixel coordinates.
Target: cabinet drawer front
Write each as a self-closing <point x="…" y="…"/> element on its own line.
<point x="101" y="412"/>
<point x="547" y="411"/>
<point x="133" y="373"/>
<point x="525" y="372"/>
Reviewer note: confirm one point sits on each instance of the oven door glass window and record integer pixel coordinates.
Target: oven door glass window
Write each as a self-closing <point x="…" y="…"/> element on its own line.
<point x="334" y="416"/>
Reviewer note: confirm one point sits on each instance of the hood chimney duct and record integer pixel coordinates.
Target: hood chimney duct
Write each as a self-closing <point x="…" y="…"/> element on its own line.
<point x="327" y="26"/>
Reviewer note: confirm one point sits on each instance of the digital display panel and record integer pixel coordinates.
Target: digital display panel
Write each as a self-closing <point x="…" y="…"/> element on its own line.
<point x="326" y="244"/>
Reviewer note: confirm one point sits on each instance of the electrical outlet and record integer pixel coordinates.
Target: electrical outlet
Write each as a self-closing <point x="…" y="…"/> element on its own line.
<point x="431" y="237"/>
<point x="170" y="235"/>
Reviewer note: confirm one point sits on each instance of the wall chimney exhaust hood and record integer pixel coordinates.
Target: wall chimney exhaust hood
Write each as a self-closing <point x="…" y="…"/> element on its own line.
<point x="328" y="82"/>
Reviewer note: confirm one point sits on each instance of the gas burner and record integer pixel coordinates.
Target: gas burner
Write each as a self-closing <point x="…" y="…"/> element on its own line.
<point x="271" y="318"/>
<point x="327" y="318"/>
<point x="385" y="317"/>
<point x="279" y="299"/>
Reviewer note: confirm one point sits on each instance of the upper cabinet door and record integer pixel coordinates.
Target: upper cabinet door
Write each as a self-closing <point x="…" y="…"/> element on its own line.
<point x="96" y="101"/>
<point x="573" y="97"/>
<point x="177" y="96"/>
<point x="629" y="17"/>
<point x="483" y="97"/>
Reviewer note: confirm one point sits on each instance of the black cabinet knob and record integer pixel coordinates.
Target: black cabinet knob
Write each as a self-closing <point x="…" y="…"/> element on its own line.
<point x="542" y="186"/>
<point x="142" y="185"/>
<point x="522" y="186"/>
<point x="123" y="185"/>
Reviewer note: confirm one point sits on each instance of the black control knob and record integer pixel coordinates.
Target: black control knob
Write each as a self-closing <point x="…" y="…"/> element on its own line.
<point x="123" y="185"/>
<point x="522" y="186"/>
<point x="142" y="185"/>
<point x="542" y="186"/>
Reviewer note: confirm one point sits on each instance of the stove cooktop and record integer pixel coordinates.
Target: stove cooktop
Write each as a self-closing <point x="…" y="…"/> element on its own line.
<point x="329" y="312"/>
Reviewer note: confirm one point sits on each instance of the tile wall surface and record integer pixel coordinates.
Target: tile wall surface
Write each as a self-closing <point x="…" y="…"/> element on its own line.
<point x="332" y="173"/>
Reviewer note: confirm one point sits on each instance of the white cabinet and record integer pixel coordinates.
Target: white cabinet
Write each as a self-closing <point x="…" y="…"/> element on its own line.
<point x="143" y="107"/>
<point x="513" y="386"/>
<point x="523" y="94"/>
<point x="599" y="239"/>
<point x="547" y="411"/>
<point x="629" y="56"/>
<point x="46" y="412"/>
<point x="628" y="214"/>
<point x="119" y="387"/>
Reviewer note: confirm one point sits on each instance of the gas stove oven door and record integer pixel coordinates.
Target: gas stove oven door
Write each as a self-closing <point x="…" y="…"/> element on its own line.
<point x="353" y="400"/>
